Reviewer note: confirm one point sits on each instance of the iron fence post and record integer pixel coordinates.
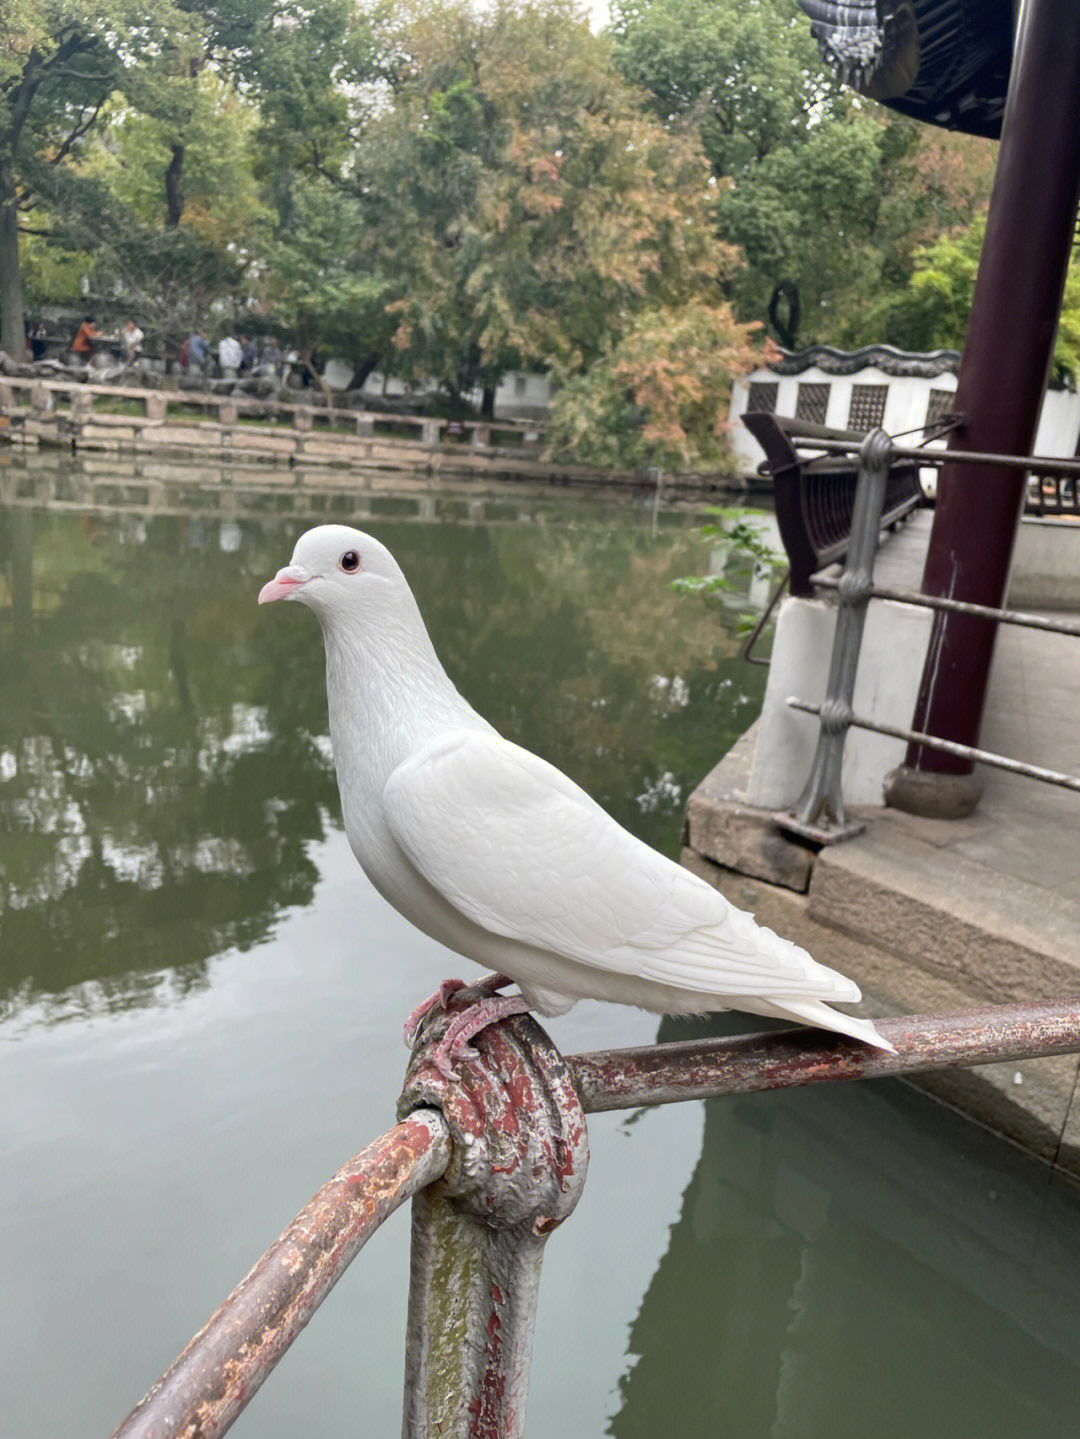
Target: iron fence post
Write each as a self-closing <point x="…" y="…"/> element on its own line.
<point x="819" y="814"/>
<point x="520" y="1152"/>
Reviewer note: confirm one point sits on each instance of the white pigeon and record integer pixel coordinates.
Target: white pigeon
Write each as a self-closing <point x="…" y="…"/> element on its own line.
<point x="498" y="855"/>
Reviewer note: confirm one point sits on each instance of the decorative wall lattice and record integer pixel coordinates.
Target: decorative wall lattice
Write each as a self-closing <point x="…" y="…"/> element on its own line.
<point x="762" y="397"/>
<point x="867" y="408"/>
<point x="939" y="403"/>
<point x="812" y="402"/>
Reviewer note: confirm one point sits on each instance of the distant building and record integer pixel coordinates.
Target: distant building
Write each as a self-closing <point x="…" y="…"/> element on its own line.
<point x="518" y="396"/>
<point x="903" y="392"/>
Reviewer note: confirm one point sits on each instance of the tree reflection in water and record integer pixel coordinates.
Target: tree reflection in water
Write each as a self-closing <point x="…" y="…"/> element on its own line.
<point x="161" y="774"/>
<point x="846" y="1262"/>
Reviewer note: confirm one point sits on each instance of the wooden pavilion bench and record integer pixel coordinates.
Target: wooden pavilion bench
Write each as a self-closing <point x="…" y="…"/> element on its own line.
<point x="815" y="497"/>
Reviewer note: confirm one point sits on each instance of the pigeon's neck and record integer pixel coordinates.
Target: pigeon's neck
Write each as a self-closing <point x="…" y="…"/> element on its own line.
<point x="387" y="694"/>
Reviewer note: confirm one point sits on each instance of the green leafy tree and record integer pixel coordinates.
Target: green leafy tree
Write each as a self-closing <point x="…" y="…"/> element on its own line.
<point x="315" y="72"/>
<point x="167" y="204"/>
<point x="943" y="285"/>
<point x="316" y="282"/>
<point x="747" y="72"/>
<point x="828" y="196"/>
<point x="60" y="60"/>
<point x="805" y="219"/>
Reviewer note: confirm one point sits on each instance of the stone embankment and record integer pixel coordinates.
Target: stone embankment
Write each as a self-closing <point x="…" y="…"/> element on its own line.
<point x="119" y="419"/>
<point x="236" y="428"/>
<point x="926" y="914"/>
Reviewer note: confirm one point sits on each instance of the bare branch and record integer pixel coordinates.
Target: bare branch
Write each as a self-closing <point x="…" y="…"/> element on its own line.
<point x="38" y="68"/>
<point x="320" y="168"/>
<point x="79" y="131"/>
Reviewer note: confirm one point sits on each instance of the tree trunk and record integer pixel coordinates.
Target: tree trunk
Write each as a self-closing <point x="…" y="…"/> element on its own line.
<point x="487" y="403"/>
<point x="786" y="326"/>
<point x="12" y="315"/>
<point x="174" y="199"/>
<point x="306" y="353"/>
<point x="365" y="369"/>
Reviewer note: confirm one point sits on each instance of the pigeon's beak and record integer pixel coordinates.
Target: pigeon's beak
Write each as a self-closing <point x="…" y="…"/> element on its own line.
<point x="285" y="584"/>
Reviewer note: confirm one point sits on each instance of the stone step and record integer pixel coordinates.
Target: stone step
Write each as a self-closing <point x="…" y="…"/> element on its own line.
<point x="998" y="935"/>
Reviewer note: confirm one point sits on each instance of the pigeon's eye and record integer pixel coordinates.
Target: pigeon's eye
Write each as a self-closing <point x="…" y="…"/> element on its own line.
<point x="350" y="562"/>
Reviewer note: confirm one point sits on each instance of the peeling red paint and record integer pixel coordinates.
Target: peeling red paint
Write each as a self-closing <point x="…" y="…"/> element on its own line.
<point x="517" y="1179"/>
<point x="520" y="1174"/>
<point x="697" y="1069"/>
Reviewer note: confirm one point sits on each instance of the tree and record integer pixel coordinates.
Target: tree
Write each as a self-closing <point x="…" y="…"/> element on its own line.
<point x="828" y="195"/>
<point x="316" y="284"/>
<point x="660" y="396"/>
<point x="524" y="208"/>
<point x="59" y="62"/>
<point x="805" y="219"/>
<point x="772" y="121"/>
<point x="166" y="202"/>
<point x="943" y="284"/>
<point x="314" y="72"/>
<point x="746" y="72"/>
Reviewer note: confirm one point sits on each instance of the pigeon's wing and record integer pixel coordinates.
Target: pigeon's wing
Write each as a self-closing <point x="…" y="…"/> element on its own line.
<point x="521" y="850"/>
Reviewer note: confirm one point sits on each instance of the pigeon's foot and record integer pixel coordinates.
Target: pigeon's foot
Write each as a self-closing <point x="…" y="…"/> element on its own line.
<point x="490" y="984"/>
<point x="439" y="1000"/>
<point x="455" y="1045"/>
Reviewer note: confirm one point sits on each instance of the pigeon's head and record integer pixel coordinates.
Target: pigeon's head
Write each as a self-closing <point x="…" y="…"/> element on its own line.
<point x="338" y="572"/>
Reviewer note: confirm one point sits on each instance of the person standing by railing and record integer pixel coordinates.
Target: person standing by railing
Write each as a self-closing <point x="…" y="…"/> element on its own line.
<point x="270" y="363"/>
<point x="131" y="338"/>
<point x="197" y="352"/>
<point x="230" y="356"/>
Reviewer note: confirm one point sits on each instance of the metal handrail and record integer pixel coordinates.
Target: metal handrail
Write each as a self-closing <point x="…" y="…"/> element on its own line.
<point x="1037" y="464"/>
<point x="819" y="814"/>
<point x="946" y="746"/>
<point x="790" y="1058"/>
<point x="1020" y="618"/>
<point x="218" y="1373"/>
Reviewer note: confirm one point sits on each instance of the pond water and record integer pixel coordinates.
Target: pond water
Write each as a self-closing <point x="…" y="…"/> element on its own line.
<point x="201" y="998"/>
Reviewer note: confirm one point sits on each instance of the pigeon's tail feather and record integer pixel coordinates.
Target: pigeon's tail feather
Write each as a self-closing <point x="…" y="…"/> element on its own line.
<point x="822" y="1016"/>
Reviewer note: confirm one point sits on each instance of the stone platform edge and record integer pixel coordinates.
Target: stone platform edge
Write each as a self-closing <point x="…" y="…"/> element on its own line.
<point x="910" y="952"/>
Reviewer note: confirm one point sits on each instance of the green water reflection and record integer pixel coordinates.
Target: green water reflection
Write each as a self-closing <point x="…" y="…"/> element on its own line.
<point x="860" y="1264"/>
<point x="201" y="1000"/>
<point x="164" y="752"/>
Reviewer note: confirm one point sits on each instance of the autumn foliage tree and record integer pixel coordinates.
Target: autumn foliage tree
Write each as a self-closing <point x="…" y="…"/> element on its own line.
<point x="659" y="396"/>
<point x="452" y="189"/>
<point x="527" y="208"/>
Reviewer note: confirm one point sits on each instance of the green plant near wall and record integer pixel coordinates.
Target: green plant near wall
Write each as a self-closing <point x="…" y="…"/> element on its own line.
<point x="749" y="549"/>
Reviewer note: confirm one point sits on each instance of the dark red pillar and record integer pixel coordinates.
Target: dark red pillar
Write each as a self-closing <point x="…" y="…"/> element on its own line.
<point x="1003" y="373"/>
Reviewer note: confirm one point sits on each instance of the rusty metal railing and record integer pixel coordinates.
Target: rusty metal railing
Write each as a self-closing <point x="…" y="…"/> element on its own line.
<point x="819" y="814"/>
<point x="494" y="1164"/>
<point x="219" y="1372"/>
